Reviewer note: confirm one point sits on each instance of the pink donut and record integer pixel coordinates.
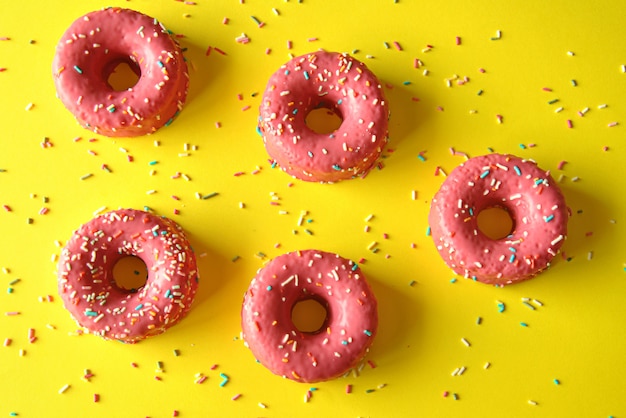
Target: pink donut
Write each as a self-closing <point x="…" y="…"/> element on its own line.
<point x="532" y="199"/>
<point x="337" y="82"/>
<point x="88" y="53"/>
<point x="344" y="339"/>
<point x="88" y="289"/>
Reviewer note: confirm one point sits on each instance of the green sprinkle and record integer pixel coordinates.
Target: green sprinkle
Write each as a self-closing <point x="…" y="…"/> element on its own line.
<point x="370" y="390"/>
<point x="210" y="195"/>
<point x="14" y="281"/>
<point x="86" y="176"/>
<point x="235" y="258"/>
<point x="479" y="93"/>
<point x="308" y="231"/>
<point x="553" y="101"/>
<point x="176" y="353"/>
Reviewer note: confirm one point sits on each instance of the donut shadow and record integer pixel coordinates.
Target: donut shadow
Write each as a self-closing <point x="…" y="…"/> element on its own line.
<point x="399" y="321"/>
<point x="588" y="223"/>
<point x="204" y="69"/>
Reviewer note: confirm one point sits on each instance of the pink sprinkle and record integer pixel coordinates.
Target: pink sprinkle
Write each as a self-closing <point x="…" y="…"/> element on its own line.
<point x="499" y="117"/>
<point x="225" y="21"/>
<point x="2" y="69"/>
<point x="569" y="123"/>
<point x="175" y="197"/>
<point x="7" y="342"/>
<point x="458" y="40"/>
<point x="215" y="366"/>
<point x="5" y="38"/>
<point x="445" y="394"/>
<point x="416" y="63"/>
<point x="612" y="124"/>
<point x="415" y="99"/>
<point x="218" y="125"/>
<point x="482" y="70"/>
<point x="130" y="158"/>
<point x="78" y="138"/>
<point x="268" y="51"/>
<point x="13" y="313"/>
<point x="158" y="378"/>
<point x="43" y="211"/>
<point x="175" y="413"/>
<point x="176" y="212"/>
<point x="561" y="164"/>
<point x="385" y="236"/>
<point x="255" y="172"/>
<point x="348" y="388"/>
<point x="96" y="397"/>
<point x="397" y="45"/>
<point x="201" y="380"/>
<point x="237" y="396"/>
<point x="134" y="365"/>
<point x="7" y="208"/>
<point x="289" y="44"/>
<point x="312" y="39"/>
<point x="93" y="139"/>
<point x="239" y="173"/>
<point x="245" y="108"/>
<point x="190" y="3"/>
<point x="362" y="260"/>
<point x="546" y="89"/>
<point x="440" y="108"/>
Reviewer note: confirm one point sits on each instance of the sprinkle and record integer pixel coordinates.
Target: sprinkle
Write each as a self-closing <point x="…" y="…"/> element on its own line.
<point x="86" y="176"/>
<point x="570" y="124"/>
<point x="612" y="124"/>
<point x="556" y="381"/>
<point x="77" y="69"/>
<point x="96" y="397"/>
<point x="501" y="306"/>
<point x="397" y="45"/>
<point x="524" y="324"/>
<point x="348" y="389"/>
<point x="225" y="379"/>
<point x="64" y="388"/>
<point x="570" y="53"/>
<point x="531" y="402"/>
<point x="464" y="341"/>
<point x="210" y="195"/>
<point x="262" y="405"/>
<point x="487" y="365"/>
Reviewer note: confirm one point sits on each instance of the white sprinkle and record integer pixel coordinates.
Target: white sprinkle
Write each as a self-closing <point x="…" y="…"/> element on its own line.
<point x="262" y="405"/>
<point x="467" y="343"/>
<point x="556" y="240"/>
<point x="531" y="402"/>
<point x="64" y="388"/>
<point x="487" y="365"/>
<point x="589" y="255"/>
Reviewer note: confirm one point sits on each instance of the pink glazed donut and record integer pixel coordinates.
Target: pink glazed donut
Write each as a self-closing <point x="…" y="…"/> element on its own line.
<point x="89" y="52"/>
<point x="337" y="82"/>
<point x="88" y="289"/>
<point x="532" y="199"/>
<point x="342" y="341"/>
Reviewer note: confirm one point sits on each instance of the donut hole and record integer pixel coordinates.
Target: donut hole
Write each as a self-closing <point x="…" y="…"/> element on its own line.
<point x="495" y="222"/>
<point x="309" y="316"/>
<point x="323" y="119"/>
<point x="122" y="74"/>
<point x="130" y="273"/>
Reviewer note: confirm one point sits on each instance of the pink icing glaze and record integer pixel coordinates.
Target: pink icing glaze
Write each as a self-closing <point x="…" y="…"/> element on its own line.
<point x="88" y="289"/>
<point x="344" y="339"/>
<point x="90" y="50"/>
<point x="530" y="196"/>
<point x="335" y="81"/>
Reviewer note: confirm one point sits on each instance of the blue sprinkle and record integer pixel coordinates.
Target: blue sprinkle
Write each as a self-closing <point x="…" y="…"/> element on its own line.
<point x="421" y="157"/>
<point x="286" y="72"/>
<point x="517" y="170"/>
<point x="336" y="167"/>
<point x="310" y="154"/>
<point x="160" y="64"/>
<point x="549" y="218"/>
<point x="512" y="258"/>
<point x="269" y="287"/>
<point x="274" y="164"/>
<point x="91" y="313"/>
<point x="355" y="266"/>
<point x="484" y="174"/>
<point x="306" y="75"/>
<point x="522" y="146"/>
<point x="78" y="69"/>
<point x="406" y="83"/>
<point x="367" y="332"/>
<point x="339" y="101"/>
<point x="258" y="130"/>
<point x="453" y="280"/>
<point x="471" y="211"/>
<point x="295" y="111"/>
<point x="139" y="306"/>
<point x="344" y="342"/>
<point x="512" y="249"/>
<point x="524" y="324"/>
<point x="428" y="231"/>
<point x="168" y="293"/>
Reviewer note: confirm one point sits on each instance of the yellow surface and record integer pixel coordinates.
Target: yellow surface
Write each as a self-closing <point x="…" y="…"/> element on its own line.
<point x="575" y="336"/>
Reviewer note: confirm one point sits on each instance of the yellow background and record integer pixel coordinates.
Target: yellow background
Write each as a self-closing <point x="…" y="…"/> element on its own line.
<point x="576" y="336"/>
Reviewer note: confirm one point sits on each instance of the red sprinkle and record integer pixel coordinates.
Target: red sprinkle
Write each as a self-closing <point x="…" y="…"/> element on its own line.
<point x="96" y="397"/>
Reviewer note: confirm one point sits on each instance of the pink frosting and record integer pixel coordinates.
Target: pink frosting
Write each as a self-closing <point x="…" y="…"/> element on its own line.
<point x="335" y="81"/>
<point x="89" y="51"/>
<point x="88" y="289"/>
<point x="344" y="339"/>
<point x="530" y="196"/>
